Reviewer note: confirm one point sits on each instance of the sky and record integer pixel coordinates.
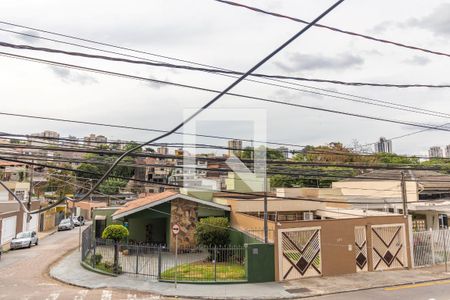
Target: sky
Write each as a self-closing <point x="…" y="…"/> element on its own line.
<point x="209" y="32"/>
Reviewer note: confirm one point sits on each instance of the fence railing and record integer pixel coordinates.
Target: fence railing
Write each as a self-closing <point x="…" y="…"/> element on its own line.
<point x="431" y="247"/>
<point x="258" y="233"/>
<point x="86" y="242"/>
<point x="197" y="264"/>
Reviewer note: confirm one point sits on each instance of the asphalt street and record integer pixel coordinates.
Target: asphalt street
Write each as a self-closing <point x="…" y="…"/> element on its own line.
<point x="437" y="290"/>
<point x="23" y="273"/>
<point x="24" y="276"/>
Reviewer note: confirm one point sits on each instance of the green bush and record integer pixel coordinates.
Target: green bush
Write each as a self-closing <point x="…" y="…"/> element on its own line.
<point x="97" y="258"/>
<point x="212" y="231"/>
<point x="115" y="232"/>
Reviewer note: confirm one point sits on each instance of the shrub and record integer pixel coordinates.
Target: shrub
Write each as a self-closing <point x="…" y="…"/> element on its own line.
<point x="96" y="259"/>
<point x="212" y="231"/>
<point x="115" y="232"/>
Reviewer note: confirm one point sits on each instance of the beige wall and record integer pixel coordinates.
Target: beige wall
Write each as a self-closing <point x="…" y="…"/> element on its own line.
<point x="378" y="188"/>
<point x="328" y="194"/>
<point x="336" y="236"/>
<point x="244" y="205"/>
<point x="253" y="226"/>
<point x="243" y="222"/>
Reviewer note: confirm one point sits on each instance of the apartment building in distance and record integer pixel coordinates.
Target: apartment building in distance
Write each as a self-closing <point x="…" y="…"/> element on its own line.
<point x="383" y="146"/>
<point x="44" y="138"/>
<point x="234" y="148"/>
<point x="94" y="140"/>
<point x="435" y="152"/>
<point x="447" y="151"/>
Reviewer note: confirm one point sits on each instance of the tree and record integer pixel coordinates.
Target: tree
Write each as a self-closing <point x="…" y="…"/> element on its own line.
<point x="391" y="158"/>
<point x="278" y="181"/>
<point x="272" y="154"/>
<point x="212" y="231"/>
<point x="116" y="233"/>
<point x="100" y="164"/>
<point x="61" y="182"/>
<point x="112" y="186"/>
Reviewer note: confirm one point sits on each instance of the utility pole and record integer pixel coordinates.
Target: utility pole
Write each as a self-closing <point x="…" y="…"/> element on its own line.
<point x="404" y="196"/>
<point x="30" y="195"/>
<point x="266" y="229"/>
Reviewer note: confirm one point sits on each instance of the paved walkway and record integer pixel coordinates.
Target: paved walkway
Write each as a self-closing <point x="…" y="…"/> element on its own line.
<point x="24" y="274"/>
<point x="44" y="234"/>
<point x="69" y="270"/>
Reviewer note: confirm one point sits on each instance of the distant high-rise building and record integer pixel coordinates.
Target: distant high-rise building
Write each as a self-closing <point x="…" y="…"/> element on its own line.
<point x="93" y="140"/>
<point x="435" y="151"/>
<point x="284" y="151"/>
<point x="383" y="146"/>
<point x="447" y="151"/>
<point x="44" y="138"/>
<point x="234" y="148"/>
<point x="163" y="150"/>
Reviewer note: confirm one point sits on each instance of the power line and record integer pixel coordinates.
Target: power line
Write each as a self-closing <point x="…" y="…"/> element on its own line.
<point x="360" y="99"/>
<point x="75" y="146"/>
<point x="202" y="69"/>
<point x="230" y="94"/>
<point x="359" y="165"/>
<point x="201" y="188"/>
<point x="217" y="97"/>
<point x="259" y="10"/>
<point x="198" y="64"/>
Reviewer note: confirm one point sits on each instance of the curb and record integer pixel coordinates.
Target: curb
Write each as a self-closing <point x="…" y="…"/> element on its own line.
<point x="292" y="296"/>
<point x="89" y="268"/>
<point x="371" y="288"/>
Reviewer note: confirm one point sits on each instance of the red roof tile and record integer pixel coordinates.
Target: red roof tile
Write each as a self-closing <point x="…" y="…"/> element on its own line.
<point x="144" y="201"/>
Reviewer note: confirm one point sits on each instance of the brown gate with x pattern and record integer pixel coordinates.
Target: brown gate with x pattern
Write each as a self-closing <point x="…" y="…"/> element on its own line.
<point x="388" y="247"/>
<point x="301" y="253"/>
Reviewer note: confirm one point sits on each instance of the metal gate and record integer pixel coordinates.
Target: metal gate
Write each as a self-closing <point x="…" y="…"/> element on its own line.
<point x="300" y="253"/>
<point x="361" y="248"/>
<point x="431" y="247"/>
<point x="8" y="229"/>
<point x="388" y="247"/>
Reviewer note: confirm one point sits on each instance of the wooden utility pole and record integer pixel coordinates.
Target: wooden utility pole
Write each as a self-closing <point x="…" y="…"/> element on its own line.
<point x="30" y="195"/>
<point x="266" y="228"/>
<point x="404" y="196"/>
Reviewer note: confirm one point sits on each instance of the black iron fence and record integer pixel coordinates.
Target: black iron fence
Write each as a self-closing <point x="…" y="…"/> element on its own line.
<point x="197" y="264"/>
<point x="86" y="242"/>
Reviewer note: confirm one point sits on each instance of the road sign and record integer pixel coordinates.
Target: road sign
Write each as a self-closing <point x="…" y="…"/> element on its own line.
<point x="175" y="229"/>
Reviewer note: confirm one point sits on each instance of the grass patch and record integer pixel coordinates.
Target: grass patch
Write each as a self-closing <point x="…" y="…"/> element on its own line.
<point x="205" y="271"/>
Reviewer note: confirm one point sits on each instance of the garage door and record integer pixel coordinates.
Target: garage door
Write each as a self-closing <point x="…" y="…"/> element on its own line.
<point x="8" y="229"/>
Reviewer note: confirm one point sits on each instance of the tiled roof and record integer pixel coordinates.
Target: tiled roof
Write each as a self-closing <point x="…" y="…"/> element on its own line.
<point x="144" y="201"/>
<point x="157" y="199"/>
<point x="4" y="163"/>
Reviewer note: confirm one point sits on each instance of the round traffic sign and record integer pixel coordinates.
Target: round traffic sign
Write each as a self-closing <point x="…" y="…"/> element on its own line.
<point x="175" y="229"/>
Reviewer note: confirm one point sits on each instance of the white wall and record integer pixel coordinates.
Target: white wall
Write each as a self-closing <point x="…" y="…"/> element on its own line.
<point x="34" y="222"/>
<point x="8" y="229"/>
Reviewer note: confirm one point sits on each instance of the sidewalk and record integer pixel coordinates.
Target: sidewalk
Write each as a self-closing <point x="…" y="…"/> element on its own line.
<point x="69" y="270"/>
<point x="44" y="234"/>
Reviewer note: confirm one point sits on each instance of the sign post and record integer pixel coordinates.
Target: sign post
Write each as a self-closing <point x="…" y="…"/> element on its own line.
<point x="175" y="231"/>
<point x="80" y="220"/>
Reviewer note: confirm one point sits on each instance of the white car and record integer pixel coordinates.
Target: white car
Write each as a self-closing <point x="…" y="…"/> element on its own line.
<point x="78" y="220"/>
<point x="66" y="224"/>
<point x="24" y="239"/>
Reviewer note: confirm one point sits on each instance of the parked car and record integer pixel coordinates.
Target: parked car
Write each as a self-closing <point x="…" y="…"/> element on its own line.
<point x="24" y="239"/>
<point x="78" y="220"/>
<point x="66" y="224"/>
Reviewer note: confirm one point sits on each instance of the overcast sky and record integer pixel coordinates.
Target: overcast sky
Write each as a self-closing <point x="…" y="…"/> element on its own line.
<point x="209" y="32"/>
